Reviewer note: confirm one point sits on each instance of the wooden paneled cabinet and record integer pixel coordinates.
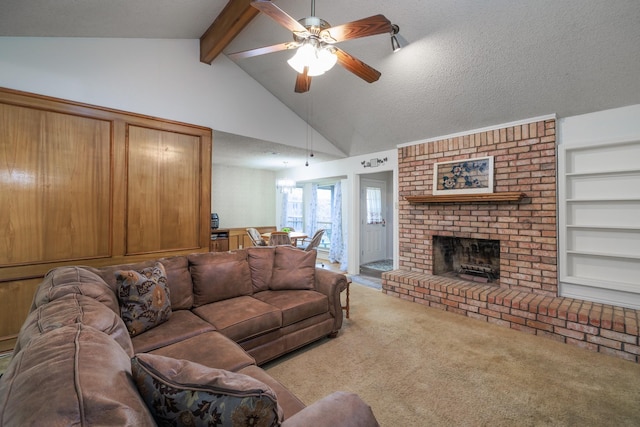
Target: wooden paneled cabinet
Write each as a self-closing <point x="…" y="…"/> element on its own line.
<point x="81" y="184"/>
<point x="219" y="240"/>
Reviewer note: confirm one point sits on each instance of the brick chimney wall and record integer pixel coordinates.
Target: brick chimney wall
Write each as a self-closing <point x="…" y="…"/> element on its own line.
<point x="524" y="161"/>
<point x="527" y="298"/>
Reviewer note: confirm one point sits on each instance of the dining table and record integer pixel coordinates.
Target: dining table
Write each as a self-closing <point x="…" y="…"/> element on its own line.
<point x="293" y="235"/>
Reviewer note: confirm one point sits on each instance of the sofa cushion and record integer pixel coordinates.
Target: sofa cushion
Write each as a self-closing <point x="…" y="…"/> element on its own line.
<point x="289" y="402"/>
<point x="242" y="317"/>
<point x="261" y="266"/>
<point x="73" y="375"/>
<point x="219" y="275"/>
<point x="144" y="298"/>
<point x="209" y="349"/>
<point x="178" y="278"/>
<point x="70" y="309"/>
<point x="181" y="392"/>
<point x="181" y="325"/>
<point x="295" y="305"/>
<point x="62" y="281"/>
<point x="179" y="282"/>
<point x="293" y="269"/>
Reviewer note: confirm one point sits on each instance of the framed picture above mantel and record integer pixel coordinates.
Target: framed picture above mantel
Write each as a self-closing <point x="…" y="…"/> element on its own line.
<point x="465" y="176"/>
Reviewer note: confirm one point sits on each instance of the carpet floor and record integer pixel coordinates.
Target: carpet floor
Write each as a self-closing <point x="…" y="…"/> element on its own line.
<point x="418" y="366"/>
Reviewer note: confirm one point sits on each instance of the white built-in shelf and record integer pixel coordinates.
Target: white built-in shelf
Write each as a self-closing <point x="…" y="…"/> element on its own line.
<point x="605" y="199"/>
<point x="604" y="173"/>
<point x="603" y="227"/>
<point x="599" y="206"/>
<point x="605" y="254"/>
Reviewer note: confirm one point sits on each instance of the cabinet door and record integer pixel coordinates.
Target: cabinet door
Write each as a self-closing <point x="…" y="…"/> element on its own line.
<point x="163" y="190"/>
<point x="55" y="186"/>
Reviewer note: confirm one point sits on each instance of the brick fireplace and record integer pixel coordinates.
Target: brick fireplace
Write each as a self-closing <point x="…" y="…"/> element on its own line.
<point x="524" y="161"/>
<point x="525" y="295"/>
<point x="476" y="260"/>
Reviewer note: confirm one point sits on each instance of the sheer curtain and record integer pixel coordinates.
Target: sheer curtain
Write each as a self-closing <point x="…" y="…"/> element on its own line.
<point x="338" y="247"/>
<point x="312" y="219"/>
<point x="284" y="211"/>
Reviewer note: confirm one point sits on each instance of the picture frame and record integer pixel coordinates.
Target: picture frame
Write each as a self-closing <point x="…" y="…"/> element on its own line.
<point x="465" y="176"/>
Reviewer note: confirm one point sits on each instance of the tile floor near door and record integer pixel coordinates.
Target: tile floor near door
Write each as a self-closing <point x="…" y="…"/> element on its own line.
<point x="376" y="268"/>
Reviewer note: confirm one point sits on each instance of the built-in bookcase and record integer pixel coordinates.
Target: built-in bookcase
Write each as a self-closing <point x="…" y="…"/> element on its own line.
<point x="599" y="195"/>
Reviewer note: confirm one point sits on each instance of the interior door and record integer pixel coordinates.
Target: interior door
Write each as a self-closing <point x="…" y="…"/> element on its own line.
<point x="373" y="202"/>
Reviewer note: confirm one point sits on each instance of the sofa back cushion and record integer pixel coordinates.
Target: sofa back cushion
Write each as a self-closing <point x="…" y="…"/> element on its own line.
<point x="71" y="309"/>
<point x="178" y="278"/>
<point x="218" y="276"/>
<point x="72" y="375"/>
<point x="180" y="392"/>
<point x="293" y="269"/>
<point x="144" y="298"/>
<point x="179" y="282"/>
<point x="261" y="260"/>
<point x="63" y="281"/>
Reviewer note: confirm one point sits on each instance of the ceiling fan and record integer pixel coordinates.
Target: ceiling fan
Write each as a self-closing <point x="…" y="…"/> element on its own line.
<point x="315" y="40"/>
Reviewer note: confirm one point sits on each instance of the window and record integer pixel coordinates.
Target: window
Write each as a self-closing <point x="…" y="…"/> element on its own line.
<point x="374" y="205"/>
<point x="323" y="214"/>
<point x="295" y="209"/>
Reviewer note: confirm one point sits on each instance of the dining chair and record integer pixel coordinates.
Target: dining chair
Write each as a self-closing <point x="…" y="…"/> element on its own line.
<point x="255" y="237"/>
<point x="278" y="238"/>
<point x="314" y="242"/>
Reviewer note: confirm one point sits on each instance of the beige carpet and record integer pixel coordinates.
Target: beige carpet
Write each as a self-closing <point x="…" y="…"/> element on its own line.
<point x="418" y="366"/>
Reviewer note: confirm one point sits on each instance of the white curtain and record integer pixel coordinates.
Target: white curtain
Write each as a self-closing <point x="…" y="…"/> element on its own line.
<point x="312" y="218"/>
<point x="374" y="205"/>
<point x="284" y="211"/>
<point x="338" y="247"/>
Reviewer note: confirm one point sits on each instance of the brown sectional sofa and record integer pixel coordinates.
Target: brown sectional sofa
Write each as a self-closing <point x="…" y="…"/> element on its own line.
<point x="230" y="312"/>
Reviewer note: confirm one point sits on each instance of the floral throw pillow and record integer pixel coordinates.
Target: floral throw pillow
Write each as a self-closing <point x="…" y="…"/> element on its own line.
<point x="144" y="298"/>
<point x="185" y="393"/>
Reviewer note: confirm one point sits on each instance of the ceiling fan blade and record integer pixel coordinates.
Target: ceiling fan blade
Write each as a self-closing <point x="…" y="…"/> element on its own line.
<point x="303" y="81"/>
<point x="365" y="27"/>
<point x="281" y="17"/>
<point x="357" y="67"/>
<point x="263" y="50"/>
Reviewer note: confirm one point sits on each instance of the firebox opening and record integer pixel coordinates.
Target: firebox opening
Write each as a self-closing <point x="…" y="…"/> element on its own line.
<point x="476" y="260"/>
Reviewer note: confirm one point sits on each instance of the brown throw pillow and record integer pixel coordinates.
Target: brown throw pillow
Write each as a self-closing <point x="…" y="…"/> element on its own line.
<point x="218" y="276"/>
<point x="293" y="269"/>
<point x="261" y="266"/>
<point x="144" y="298"/>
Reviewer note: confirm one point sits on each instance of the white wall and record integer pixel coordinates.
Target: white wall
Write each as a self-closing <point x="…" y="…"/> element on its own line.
<point x="243" y="197"/>
<point x="157" y="77"/>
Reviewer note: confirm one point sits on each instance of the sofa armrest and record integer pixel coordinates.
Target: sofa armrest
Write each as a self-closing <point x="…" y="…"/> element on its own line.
<point x="339" y="409"/>
<point x="332" y="284"/>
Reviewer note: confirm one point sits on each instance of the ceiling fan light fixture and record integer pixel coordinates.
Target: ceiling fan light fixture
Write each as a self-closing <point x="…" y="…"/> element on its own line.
<point x="395" y="44"/>
<point x="318" y="59"/>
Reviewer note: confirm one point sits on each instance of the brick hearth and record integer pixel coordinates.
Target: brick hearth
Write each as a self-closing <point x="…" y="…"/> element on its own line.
<point x="593" y="326"/>
<point x="527" y="297"/>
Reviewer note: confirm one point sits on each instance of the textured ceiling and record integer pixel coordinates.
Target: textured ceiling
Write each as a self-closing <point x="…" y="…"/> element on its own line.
<point x="469" y="64"/>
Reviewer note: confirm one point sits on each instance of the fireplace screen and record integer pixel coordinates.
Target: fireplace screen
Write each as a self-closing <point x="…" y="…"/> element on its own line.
<point x="470" y="259"/>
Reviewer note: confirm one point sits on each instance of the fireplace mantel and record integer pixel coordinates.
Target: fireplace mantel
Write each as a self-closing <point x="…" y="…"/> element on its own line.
<point x="465" y="198"/>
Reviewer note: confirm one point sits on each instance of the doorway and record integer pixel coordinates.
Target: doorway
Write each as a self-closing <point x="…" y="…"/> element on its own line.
<point x="376" y="219"/>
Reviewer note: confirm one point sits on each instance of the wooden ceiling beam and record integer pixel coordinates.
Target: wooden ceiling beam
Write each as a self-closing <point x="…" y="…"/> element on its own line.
<point x="233" y="18"/>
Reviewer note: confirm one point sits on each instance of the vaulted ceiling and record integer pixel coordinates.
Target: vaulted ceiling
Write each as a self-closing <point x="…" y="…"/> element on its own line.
<point x="469" y="64"/>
